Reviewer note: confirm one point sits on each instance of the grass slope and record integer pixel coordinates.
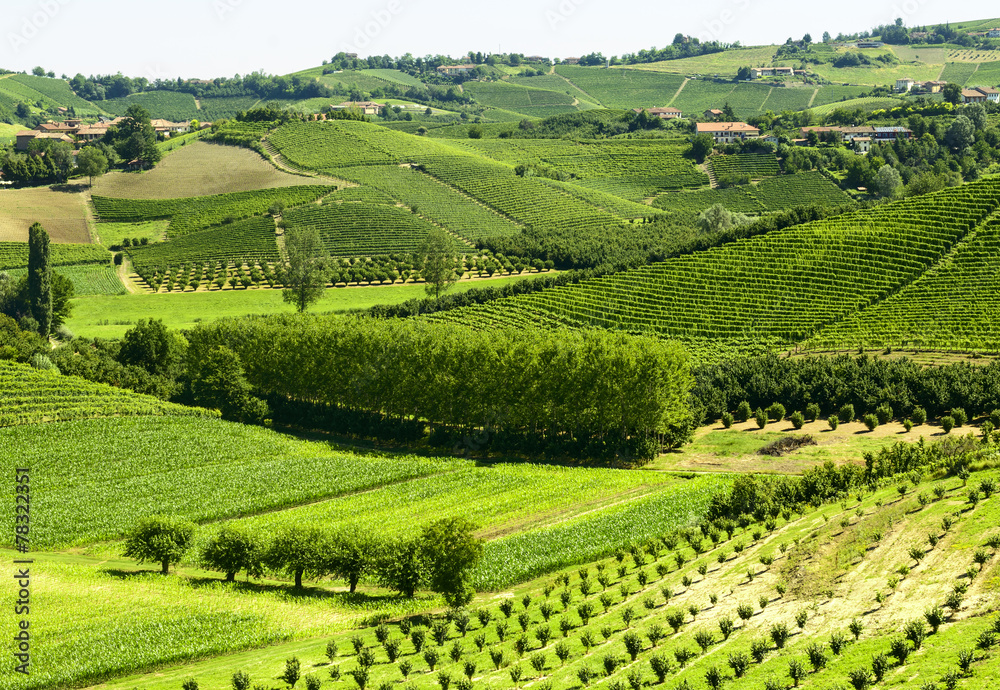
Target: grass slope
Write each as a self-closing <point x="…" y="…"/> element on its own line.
<point x="197" y="169"/>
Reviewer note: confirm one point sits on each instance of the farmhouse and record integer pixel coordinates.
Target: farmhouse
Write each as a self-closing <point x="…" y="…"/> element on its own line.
<point x="27" y="136"/>
<point x="366" y="107"/>
<point x="713" y="114"/>
<point x="571" y="61"/>
<point x="980" y="94"/>
<point x="904" y="84"/>
<point x="728" y="132"/>
<point x="973" y="96"/>
<point x="452" y="70"/>
<point x="662" y="113"/>
<point x="166" y="127"/>
<point x="862" y="144"/>
<point x="993" y="33"/>
<point x="892" y="133"/>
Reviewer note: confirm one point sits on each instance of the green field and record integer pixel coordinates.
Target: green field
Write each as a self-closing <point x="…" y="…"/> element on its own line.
<point x="112" y="316"/>
<point x="92" y="279"/>
<point x="726" y="63"/>
<point x="952" y="305"/>
<point x="868" y="104"/>
<point x="784" y="285"/>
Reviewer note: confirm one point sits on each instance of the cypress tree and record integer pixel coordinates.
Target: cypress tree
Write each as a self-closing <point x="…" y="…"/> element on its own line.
<point x="39" y="278"/>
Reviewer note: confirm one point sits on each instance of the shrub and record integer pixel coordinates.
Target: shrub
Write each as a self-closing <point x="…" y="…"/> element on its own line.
<point x="915" y="632"/>
<point x="796" y="671"/>
<point x="633" y="644"/>
<point x="880" y="664"/>
<point x="584" y="674"/>
<point x="958" y="414"/>
<point x="744" y="611"/>
<point x="837" y="642"/>
<point x="871" y="421"/>
<point x="241" y="680"/>
<point x="907" y="425"/>
<point x="497" y="657"/>
<point x="812" y="412"/>
<point x="900" y="649"/>
<point x="846" y="413"/>
<point x="797" y="419"/>
<point x="727" y="420"/>
<point x="834" y="422"/>
<point x="947" y="423"/>
<point x="610" y="662"/>
<point x="779" y="635"/>
<point x="801" y="618"/>
<point x="856" y="627"/>
<point x="660" y="665"/>
<point x="684" y="655"/>
<point x="714" y="678"/>
<point x="292" y="672"/>
<point x="739" y="662"/>
<point x="759" y="650"/>
<point x="884" y="413"/>
<point x="743" y="412"/>
<point x="965" y="659"/>
<point x="860" y="678"/>
<point x="776" y="411"/>
<point x="704" y="639"/>
<point x="761" y="417"/>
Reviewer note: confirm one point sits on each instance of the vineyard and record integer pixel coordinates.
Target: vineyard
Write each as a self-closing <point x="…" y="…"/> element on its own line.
<point x="773" y="194"/>
<point x="251" y="239"/>
<point x="57" y="91"/>
<point x="31" y="396"/>
<point x="92" y="279"/>
<point x="868" y="104"/>
<point x="784" y="285"/>
<point x="623" y="88"/>
<point x="951" y="306"/>
<point x="362" y="229"/>
<point x="523" y="99"/>
<point x="438" y="202"/>
<point x="197" y="213"/>
<point x="169" y="105"/>
<point x="754" y="166"/>
<point x="15" y="255"/>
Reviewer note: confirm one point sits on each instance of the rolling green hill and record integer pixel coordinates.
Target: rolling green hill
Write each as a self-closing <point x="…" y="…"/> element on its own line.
<point x="782" y="286"/>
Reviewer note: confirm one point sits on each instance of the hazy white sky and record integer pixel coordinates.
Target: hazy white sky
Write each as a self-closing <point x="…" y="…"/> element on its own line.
<point x="209" y="38"/>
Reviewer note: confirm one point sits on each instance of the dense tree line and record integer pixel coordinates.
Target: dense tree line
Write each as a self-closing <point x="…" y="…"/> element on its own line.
<point x="597" y="390"/>
<point x="831" y="382"/>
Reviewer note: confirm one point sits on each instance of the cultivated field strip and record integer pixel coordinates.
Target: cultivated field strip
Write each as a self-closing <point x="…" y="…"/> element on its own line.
<point x="952" y="305"/>
<point x="784" y="285"/>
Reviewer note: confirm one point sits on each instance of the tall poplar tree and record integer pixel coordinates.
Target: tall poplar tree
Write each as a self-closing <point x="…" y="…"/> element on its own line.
<point x="39" y="278"/>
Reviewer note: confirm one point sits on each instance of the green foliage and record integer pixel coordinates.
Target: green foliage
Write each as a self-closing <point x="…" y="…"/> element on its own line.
<point x="233" y="549"/>
<point x="304" y="278"/>
<point x="452" y="552"/>
<point x="39" y="278"/>
<point x="160" y="538"/>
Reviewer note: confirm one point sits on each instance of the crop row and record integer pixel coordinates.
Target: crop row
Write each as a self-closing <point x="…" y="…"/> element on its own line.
<point x="31" y="396"/>
<point x="785" y="284"/>
<point x="197" y="213"/>
<point x="773" y="194"/>
<point x="252" y="238"/>
<point x="361" y="229"/>
<point x="15" y="254"/>
<point x="445" y="206"/>
<point x="87" y="279"/>
<point x="951" y="306"/>
<point x="754" y="165"/>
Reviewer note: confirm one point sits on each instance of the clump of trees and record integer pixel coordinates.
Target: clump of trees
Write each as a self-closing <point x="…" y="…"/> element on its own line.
<point x="441" y="558"/>
<point x="40" y="301"/>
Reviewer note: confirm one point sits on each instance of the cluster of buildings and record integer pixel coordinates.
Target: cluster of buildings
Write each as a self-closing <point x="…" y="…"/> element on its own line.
<point x="861" y="137"/>
<point x="904" y="85"/>
<point x="364" y="107"/>
<point x="75" y="131"/>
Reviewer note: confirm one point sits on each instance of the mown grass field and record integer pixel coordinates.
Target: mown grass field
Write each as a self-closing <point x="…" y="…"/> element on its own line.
<point x="61" y="209"/>
<point x="112" y="316"/>
<point x="198" y="169"/>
